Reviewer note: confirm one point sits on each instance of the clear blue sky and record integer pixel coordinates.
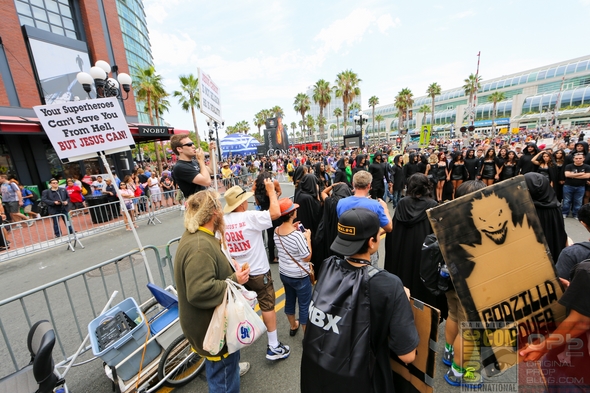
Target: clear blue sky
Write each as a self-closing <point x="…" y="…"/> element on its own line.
<point x="262" y="54"/>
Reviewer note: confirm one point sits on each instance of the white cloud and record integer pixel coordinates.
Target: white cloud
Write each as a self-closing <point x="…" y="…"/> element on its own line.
<point x="385" y="22"/>
<point x="156" y="12"/>
<point x="173" y="49"/>
<point x="464" y="14"/>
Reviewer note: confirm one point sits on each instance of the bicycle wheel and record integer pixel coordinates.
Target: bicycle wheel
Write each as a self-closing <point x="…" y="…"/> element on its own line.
<point x="179" y="352"/>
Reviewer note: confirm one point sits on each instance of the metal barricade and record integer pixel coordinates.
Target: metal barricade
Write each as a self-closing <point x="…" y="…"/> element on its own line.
<point x="28" y="236"/>
<point x="168" y="259"/>
<point x="70" y="303"/>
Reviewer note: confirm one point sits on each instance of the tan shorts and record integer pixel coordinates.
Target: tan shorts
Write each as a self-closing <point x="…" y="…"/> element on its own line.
<point x="27" y="209"/>
<point x="456" y="311"/>
<point x="265" y="292"/>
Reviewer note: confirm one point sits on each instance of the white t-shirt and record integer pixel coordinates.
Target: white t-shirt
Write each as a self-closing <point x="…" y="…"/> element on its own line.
<point x="243" y="235"/>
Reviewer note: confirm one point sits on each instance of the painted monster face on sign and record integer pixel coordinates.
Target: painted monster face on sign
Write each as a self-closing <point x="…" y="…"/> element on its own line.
<point x="491" y="216"/>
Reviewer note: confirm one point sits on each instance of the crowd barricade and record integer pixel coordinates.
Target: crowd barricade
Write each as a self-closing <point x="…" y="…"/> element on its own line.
<point x="168" y="259"/>
<point x="246" y="180"/>
<point x="71" y="302"/>
<point x="28" y="236"/>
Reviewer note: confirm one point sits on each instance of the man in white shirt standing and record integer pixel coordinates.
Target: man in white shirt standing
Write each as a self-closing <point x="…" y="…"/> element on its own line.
<point x="243" y="234"/>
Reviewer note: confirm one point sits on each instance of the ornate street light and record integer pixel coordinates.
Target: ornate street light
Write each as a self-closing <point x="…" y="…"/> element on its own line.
<point x="105" y="86"/>
<point x="360" y="119"/>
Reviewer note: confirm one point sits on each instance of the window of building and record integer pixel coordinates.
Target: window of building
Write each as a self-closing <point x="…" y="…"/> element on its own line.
<point x="541" y="75"/>
<point x="55" y="16"/>
<point x="582" y="66"/>
<point x="6" y="163"/>
<point x="571" y="68"/>
<point x="560" y="71"/>
<point x="550" y="73"/>
<point x="532" y="77"/>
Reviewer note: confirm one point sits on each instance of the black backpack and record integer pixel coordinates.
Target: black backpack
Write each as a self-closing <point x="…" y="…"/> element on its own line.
<point x="431" y="263"/>
<point x="337" y="353"/>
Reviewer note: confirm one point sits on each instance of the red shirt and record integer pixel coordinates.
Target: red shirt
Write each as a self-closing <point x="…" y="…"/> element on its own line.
<point x="75" y="193"/>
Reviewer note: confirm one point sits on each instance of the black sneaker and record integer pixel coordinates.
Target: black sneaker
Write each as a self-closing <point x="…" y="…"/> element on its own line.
<point x="280" y="352"/>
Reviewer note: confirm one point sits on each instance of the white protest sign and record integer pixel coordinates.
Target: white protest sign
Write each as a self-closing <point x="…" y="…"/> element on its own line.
<point x="209" y="97"/>
<point x="80" y="129"/>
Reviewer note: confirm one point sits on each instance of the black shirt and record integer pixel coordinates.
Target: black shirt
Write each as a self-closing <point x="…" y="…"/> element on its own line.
<point x="576" y="169"/>
<point x="184" y="173"/>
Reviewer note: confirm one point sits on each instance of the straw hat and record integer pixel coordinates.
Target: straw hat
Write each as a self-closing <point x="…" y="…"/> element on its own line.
<point x="234" y="197"/>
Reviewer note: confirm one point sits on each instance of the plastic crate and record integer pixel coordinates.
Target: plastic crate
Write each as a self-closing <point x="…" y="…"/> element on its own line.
<point x="126" y="344"/>
<point x="165" y="321"/>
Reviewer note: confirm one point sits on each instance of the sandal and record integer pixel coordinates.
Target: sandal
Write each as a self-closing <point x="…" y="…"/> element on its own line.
<point x="293" y="332"/>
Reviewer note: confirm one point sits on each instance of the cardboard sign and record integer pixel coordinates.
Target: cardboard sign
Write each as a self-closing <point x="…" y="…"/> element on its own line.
<point x="80" y="129"/>
<point x="420" y="373"/>
<point x="495" y="249"/>
<point x="209" y="96"/>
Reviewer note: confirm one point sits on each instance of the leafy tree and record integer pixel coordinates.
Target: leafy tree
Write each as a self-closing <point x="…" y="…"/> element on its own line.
<point x="495" y="97"/>
<point x="301" y="106"/>
<point x="433" y="90"/>
<point x="322" y="96"/>
<point x="347" y="88"/>
<point x="373" y="102"/>
<point x="471" y="86"/>
<point x="188" y="97"/>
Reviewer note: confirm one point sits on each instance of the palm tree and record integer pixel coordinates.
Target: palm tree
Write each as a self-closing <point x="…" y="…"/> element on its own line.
<point x="347" y="88"/>
<point x="433" y="90"/>
<point x="403" y="102"/>
<point x="301" y="105"/>
<point x="424" y="109"/>
<point x="231" y="130"/>
<point x="310" y="122"/>
<point x="293" y="128"/>
<point x="277" y="111"/>
<point x="188" y="97"/>
<point x="243" y="126"/>
<point x="298" y="134"/>
<point x="495" y="97"/>
<point x="337" y="113"/>
<point x="333" y="128"/>
<point x="149" y="89"/>
<point x="321" y="122"/>
<point x="471" y="86"/>
<point x="373" y="102"/>
<point x="322" y="96"/>
<point x="259" y="120"/>
<point x="379" y="119"/>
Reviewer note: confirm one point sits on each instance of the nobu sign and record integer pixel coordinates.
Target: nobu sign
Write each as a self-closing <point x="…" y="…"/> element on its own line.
<point x="152" y="130"/>
<point x="79" y="128"/>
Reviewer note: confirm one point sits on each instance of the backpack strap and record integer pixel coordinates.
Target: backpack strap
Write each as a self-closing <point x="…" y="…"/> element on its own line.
<point x="372" y="270"/>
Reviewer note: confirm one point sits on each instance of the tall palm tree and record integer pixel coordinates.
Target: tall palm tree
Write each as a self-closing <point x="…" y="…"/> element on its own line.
<point x="333" y="128"/>
<point x="302" y="128"/>
<point x="321" y="122"/>
<point x="293" y="128"/>
<point x="259" y="120"/>
<point x="373" y="102"/>
<point x="243" y="126"/>
<point x="322" y="96"/>
<point x="337" y="113"/>
<point x="403" y="102"/>
<point x="310" y="122"/>
<point x="471" y="86"/>
<point x="379" y="119"/>
<point x="188" y="97"/>
<point x="433" y="90"/>
<point x="495" y="97"/>
<point x="347" y="88"/>
<point x="424" y="109"/>
<point x="301" y="105"/>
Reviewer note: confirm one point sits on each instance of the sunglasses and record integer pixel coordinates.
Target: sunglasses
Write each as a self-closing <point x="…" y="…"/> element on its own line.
<point x="189" y="144"/>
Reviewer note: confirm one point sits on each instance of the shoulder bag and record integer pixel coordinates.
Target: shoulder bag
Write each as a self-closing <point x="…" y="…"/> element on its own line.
<point x="310" y="273"/>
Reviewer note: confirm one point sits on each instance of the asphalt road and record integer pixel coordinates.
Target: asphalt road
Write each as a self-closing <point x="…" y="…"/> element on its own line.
<point x="19" y="275"/>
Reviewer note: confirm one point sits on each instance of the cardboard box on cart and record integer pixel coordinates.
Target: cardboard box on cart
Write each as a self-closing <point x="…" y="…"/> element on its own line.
<point x="500" y="265"/>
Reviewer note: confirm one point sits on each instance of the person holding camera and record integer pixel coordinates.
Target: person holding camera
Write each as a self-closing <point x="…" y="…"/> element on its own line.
<point x="57" y="201"/>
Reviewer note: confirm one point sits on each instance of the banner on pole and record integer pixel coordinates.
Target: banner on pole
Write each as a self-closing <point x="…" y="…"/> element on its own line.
<point x="80" y="129"/>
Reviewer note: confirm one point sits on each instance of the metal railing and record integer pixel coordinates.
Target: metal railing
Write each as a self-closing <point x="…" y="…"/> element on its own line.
<point x="26" y="237"/>
<point x="168" y="259"/>
<point x="70" y="303"/>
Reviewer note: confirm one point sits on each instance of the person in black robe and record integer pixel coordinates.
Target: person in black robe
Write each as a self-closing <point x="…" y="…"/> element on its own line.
<point x="549" y="212"/>
<point x="525" y="162"/>
<point x="300" y="171"/>
<point x="398" y="179"/>
<point x="412" y="166"/>
<point x="472" y="164"/>
<point x="309" y="212"/>
<point x="328" y="226"/>
<point x="322" y="176"/>
<point x="403" y="245"/>
<point x="343" y="172"/>
<point x="379" y="171"/>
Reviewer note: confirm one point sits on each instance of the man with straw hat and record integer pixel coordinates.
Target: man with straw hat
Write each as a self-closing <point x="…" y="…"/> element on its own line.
<point x="243" y="234"/>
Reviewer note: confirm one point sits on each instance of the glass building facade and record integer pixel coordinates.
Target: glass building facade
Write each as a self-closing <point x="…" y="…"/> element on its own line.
<point x="136" y="40"/>
<point x="55" y="16"/>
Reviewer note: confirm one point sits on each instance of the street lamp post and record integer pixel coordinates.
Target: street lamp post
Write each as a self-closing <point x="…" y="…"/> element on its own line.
<point x="360" y="119"/>
<point x="105" y="86"/>
<point x="214" y="125"/>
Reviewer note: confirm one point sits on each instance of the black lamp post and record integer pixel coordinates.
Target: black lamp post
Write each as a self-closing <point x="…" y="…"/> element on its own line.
<point x="215" y="125"/>
<point x="360" y="119"/>
<point x="105" y="86"/>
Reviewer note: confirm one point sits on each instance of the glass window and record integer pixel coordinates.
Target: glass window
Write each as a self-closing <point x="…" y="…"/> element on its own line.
<point x="582" y="66"/>
<point x="42" y="25"/>
<point x="26" y="20"/>
<point x="550" y="73"/>
<point x="571" y="68"/>
<point x="523" y="79"/>
<point x="71" y="34"/>
<point x="560" y="71"/>
<point x="486" y="87"/>
<point x="39" y="14"/>
<point x="578" y="96"/>
<point x="54" y="18"/>
<point x="532" y="77"/>
<point x="541" y="75"/>
<point x="6" y="163"/>
<point x="526" y="105"/>
<point x="566" y="98"/>
<point x="493" y="86"/>
<point x="545" y="100"/>
<point x="51" y="5"/>
<point x="515" y="81"/>
<point x="57" y="30"/>
<point x="586" y="96"/>
<point x="38" y="3"/>
<point x="23" y="9"/>
<point x="68" y="23"/>
<point x="535" y="103"/>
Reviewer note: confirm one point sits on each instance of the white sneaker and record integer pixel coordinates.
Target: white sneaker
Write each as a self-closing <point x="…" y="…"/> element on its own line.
<point x="30" y="223"/>
<point x="38" y="216"/>
<point x="244" y="368"/>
